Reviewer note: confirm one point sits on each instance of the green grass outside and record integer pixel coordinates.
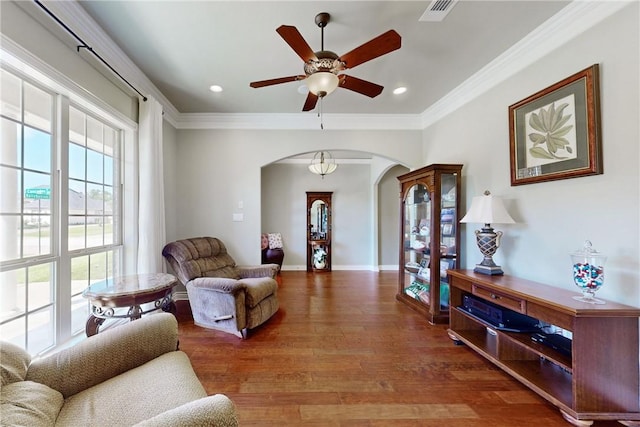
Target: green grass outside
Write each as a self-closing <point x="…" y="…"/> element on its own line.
<point x="79" y="270"/>
<point x="79" y="265"/>
<point x="74" y="230"/>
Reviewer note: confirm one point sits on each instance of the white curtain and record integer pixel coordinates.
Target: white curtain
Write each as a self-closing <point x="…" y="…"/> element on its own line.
<point x="151" y="227"/>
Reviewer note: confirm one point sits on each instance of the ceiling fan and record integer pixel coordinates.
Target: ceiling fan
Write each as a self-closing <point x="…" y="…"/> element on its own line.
<point x="321" y="68"/>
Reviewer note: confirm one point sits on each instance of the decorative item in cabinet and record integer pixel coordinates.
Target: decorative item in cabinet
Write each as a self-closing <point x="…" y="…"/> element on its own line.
<point x="429" y="238"/>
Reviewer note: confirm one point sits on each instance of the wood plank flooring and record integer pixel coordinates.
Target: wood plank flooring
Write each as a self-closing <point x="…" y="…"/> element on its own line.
<point x="342" y="351"/>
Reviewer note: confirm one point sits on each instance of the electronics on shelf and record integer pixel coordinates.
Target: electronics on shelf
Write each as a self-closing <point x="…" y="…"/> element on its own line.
<point x="555" y="341"/>
<point x="498" y="317"/>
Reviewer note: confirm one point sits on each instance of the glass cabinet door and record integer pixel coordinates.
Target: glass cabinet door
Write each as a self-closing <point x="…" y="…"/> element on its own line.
<point x="430" y="198"/>
<point x="448" y="232"/>
<point x="417" y="235"/>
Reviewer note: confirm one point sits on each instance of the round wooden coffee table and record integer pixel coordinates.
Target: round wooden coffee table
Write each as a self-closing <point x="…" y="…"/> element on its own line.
<point x="128" y="291"/>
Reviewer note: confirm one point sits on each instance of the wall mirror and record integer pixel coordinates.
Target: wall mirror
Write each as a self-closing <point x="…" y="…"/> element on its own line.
<point x="318" y="231"/>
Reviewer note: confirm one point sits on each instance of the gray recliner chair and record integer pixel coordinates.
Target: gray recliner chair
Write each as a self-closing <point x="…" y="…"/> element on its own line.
<point x="223" y="295"/>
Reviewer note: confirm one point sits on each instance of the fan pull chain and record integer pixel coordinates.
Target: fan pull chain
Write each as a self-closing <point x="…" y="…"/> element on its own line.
<point x="320" y="114"/>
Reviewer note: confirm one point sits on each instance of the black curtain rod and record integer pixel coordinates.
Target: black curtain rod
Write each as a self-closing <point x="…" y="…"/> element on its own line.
<point x="89" y="48"/>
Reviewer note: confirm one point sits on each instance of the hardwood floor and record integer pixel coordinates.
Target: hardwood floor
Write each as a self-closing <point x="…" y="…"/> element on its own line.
<point x="342" y="351"/>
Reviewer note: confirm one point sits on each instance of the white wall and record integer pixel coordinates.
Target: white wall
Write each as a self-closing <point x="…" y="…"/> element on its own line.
<point x="555" y="218"/>
<point x="365" y="211"/>
<point x="284" y="204"/>
<point x="218" y="169"/>
<point x="389" y="223"/>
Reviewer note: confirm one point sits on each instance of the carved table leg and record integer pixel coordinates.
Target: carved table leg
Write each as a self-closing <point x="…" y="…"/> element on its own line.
<point x="167" y="304"/>
<point x="93" y="324"/>
<point x="574" y="421"/>
<point x="135" y="312"/>
<point x="170" y="308"/>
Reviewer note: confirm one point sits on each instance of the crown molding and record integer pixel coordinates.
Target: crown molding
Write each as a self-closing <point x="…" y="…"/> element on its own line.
<point x="573" y="20"/>
<point x="308" y="121"/>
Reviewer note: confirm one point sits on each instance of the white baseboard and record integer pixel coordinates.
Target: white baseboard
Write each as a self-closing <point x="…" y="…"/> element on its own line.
<point x="294" y="267"/>
<point x="345" y="267"/>
<point x="180" y="296"/>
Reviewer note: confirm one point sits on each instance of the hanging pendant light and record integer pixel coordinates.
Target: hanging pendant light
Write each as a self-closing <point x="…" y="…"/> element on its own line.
<point x="323" y="164"/>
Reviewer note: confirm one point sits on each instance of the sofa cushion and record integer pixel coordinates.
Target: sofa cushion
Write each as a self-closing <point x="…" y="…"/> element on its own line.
<point x="103" y="356"/>
<point x="217" y="410"/>
<point x="14" y="362"/>
<point x="275" y="241"/>
<point x="27" y="403"/>
<point x="136" y="395"/>
<point x="225" y="272"/>
<point x="258" y="289"/>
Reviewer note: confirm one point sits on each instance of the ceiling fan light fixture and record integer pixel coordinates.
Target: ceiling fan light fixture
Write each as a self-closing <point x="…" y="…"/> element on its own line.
<point x="321" y="165"/>
<point x="322" y="83"/>
<point x="321" y="68"/>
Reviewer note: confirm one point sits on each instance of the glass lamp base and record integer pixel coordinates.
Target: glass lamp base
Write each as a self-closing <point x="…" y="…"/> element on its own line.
<point x="589" y="299"/>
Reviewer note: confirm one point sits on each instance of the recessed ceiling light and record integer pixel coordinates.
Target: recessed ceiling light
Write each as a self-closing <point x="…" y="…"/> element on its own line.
<point x="215" y="88"/>
<point x="399" y="90"/>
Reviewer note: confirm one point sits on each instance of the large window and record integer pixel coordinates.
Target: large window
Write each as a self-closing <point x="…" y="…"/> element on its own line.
<point x="60" y="212"/>
<point x="93" y="170"/>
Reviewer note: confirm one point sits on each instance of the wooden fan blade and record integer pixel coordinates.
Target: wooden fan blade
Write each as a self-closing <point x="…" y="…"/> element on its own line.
<point x="381" y="45"/>
<point x="277" y="81"/>
<point x="361" y="86"/>
<point x="292" y="36"/>
<point x="310" y="103"/>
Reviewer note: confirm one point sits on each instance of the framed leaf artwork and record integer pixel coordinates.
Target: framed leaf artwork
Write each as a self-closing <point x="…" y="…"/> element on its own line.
<point x="555" y="133"/>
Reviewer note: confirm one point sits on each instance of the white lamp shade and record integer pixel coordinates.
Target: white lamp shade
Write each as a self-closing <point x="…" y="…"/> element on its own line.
<point x="321" y="165"/>
<point x="322" y="82"/>
<point x="323" y="168"/>
<point x="487" y="209"/>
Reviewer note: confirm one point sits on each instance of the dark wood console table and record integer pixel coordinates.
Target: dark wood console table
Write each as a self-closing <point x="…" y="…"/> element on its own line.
<point x="601" y="378"/>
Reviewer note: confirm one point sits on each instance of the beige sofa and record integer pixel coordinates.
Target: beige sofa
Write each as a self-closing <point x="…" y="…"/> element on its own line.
<point x="128" y="375"/>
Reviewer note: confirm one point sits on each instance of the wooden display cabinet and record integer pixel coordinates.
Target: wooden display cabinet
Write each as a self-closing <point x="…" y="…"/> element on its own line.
<point x="319" y="231"/>
<point x="429" y="238"/>
<point x="599" y="380"/>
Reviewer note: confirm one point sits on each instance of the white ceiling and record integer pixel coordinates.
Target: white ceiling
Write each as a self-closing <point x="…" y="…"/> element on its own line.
<point x="183" y="47"/>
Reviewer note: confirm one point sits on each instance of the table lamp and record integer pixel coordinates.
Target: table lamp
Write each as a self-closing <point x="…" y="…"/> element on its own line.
<point x="487" y="210"/>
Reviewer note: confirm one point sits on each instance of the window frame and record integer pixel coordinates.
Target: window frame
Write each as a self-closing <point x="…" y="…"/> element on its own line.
<point x="124" y="244"/>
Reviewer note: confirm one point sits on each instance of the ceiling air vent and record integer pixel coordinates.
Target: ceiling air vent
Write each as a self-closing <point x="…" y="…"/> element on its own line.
<point x="437" y="10"/>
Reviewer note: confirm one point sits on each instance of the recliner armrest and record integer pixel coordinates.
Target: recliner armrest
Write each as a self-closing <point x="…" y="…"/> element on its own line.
<point x="218" y="284"/>
<point x="216" y="411"/>
<point x="253" y="271"/>
<point x="107" y="354"/>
